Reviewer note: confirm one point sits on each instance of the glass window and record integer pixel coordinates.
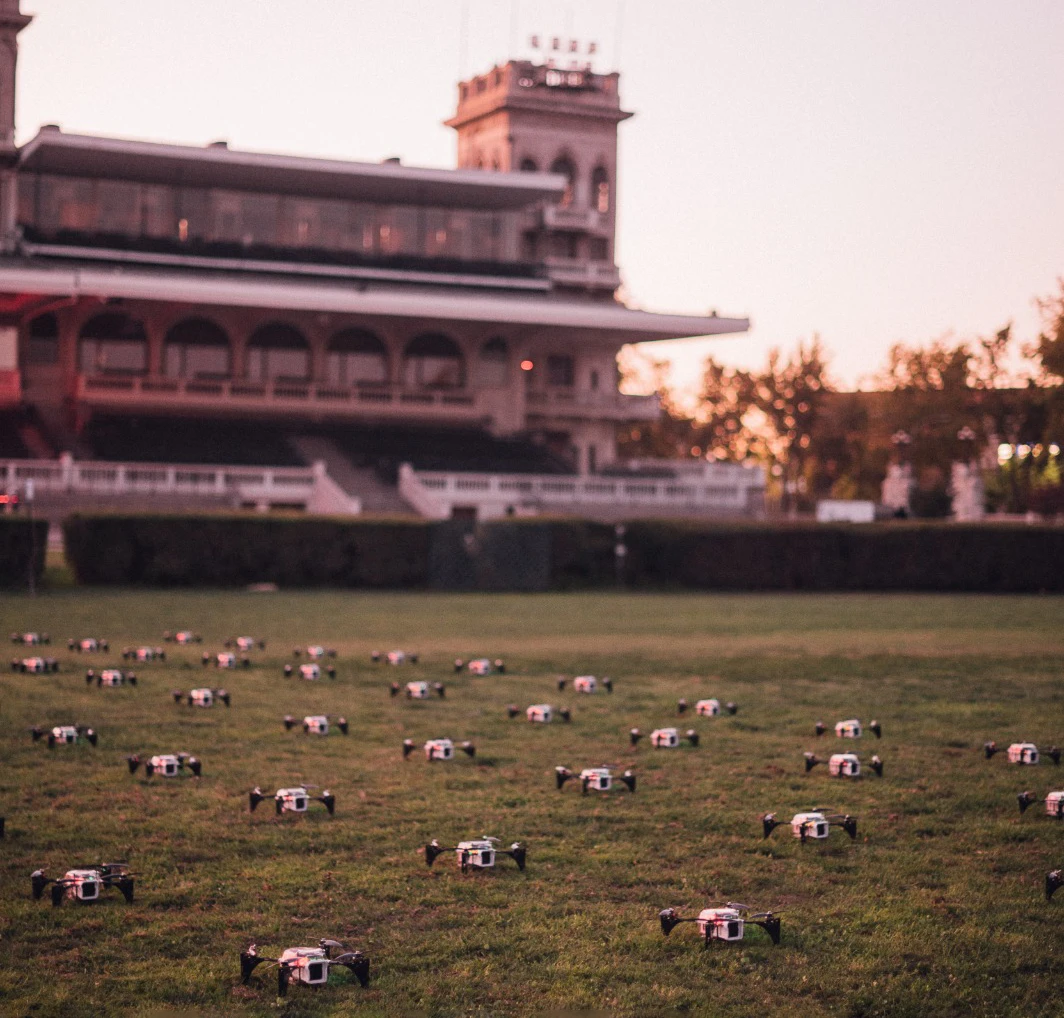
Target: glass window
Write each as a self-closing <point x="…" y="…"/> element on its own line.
<point x="529" y="166"/>
<point x="42" y="342"/>
<point x="278" y="353"/>
<point x="157" y="210"/>
<point x="559" y="369"/>
<point x="356" y="357"/>
<point x="599" y="249"/>
<point x="113" y="343"/>
<point x="67" y="203"/>
<point x="119" y="207"/>
<point x="600" y="190"/>
<point x="259" y="219"/>
<point x="564" y="166"/>
<point x="493" y="363"/>
<point x="433" y="361"/>
<point x="27" y="199"/>
<point x="196" y="348"/>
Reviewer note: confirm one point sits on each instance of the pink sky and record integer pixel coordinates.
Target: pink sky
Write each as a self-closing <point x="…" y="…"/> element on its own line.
<point x="873" y="171"/>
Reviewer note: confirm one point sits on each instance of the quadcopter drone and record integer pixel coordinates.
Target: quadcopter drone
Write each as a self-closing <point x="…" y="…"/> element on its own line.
<point x="30" y="639"/>
<point x="1054" y="879"/>
<point x="183" y="637"/>
<point x="419" y="690"/>
<point x="481" y="666"/>
<point x="723" y="922"/>
<point x="586" y="684"/>
<point x="593" y="779"/>
<point x="309" y="672"/>
<point x="87" y="644"/>
<point x="710" y="708"/>
<point x="201" y="697"/>
<point x="439" y="749"/>
<point x="664" y="738"/>
<point x="541" y="713"/>
<point x="226" y="659"/>
<point x="84" y="884"/>
<point x="166" y="765"/>
<point x="64" y="735"/>
<point x="143" y="654"/>
<point x="1054" y="803"/>
<point x="315" y="724"/>
<point x="244" y="643"/>
<point x="308" y="965"/>
<point x="35" y="665"/>
<point x="1021" y="752"/>
<point x="850" y="729"/>
<point x="477" y="854"/>
<point x="314" y="652"/>
<point x="293" y="800"/>
<point x="395" y="657"/>
<point x="110" y="677"/>
<point x="843" y="765"/>
<point x="815" y="824"/>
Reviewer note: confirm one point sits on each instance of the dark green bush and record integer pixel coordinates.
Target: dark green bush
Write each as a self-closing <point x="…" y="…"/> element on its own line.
<point x="230" y="550"/>
<point x="20" y="541"/>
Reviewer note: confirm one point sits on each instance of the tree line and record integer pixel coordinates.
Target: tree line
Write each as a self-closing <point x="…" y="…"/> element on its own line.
<point x="991" y="400"/>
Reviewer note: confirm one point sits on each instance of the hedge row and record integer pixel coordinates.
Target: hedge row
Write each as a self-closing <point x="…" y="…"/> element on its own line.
<point x="558" y="554"/>
<point x="21" y="540"/>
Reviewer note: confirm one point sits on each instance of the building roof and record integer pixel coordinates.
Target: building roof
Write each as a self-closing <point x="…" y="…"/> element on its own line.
<point x="608" y="320"/>
<point x="54" y="151"/>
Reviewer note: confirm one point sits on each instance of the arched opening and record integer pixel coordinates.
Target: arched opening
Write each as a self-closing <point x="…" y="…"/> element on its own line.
<point x="529" y="166"/>
<point x="493" y="364"/>
<point x="433" y="361"/>
<point x="564" y="166"/>
<point x="600" y="190"/>
<point x="42" y="340"/>
<point x="113" y="343"/>
<point x="197" y="348"/>
<point x="356" y="357"/>
<point x="278" y="353"/>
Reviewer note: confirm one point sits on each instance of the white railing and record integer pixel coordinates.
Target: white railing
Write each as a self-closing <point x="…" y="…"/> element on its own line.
<point x="436" y="494"/>
<point x="308" y="487"/>
<point x="596" y="405"/>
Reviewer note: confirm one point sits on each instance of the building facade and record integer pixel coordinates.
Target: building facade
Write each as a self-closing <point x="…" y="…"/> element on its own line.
<point x="148" y="279"/>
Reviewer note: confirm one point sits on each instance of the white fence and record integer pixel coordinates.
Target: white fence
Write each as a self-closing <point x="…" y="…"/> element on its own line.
<point x="309" y="488"/>
<point x="716" y="490"/>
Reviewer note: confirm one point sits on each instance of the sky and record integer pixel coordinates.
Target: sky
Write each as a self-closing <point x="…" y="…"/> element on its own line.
<point x="871" y="171"/>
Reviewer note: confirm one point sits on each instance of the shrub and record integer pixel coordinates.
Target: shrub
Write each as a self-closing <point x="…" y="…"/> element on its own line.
<point x="21" y="540"/>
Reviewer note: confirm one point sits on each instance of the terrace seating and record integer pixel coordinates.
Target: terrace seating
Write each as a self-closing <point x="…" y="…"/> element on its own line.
<point x="188" y="440"/>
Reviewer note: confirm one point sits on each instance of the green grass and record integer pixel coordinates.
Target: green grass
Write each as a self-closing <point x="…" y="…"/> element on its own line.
<point x="937" y="909"/>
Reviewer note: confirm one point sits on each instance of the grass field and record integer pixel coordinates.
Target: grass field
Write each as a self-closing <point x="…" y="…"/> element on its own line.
<point x="937" y="909"/>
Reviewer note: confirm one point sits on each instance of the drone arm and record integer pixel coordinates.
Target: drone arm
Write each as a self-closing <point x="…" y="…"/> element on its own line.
<point x="433" y="850"/>
<point x="769" y="823"/>
<point x="849" y="825"/>
<point x="1054" y="879"/>
<point x="628" y="779"/>
<point x="249" y="961"/>
<point x="561" y="776"/>
<point x="357" y="962"/>
<point x="771" y="925"/>
<point x="39" y="882"/>
<point x="670" y="920"/>
<point x="518" y="853"/>
<point x="125" y="884"/>
<point x="255" y="796"/>
<point x="1025" y="799"/>
<point x="328" y="800"/>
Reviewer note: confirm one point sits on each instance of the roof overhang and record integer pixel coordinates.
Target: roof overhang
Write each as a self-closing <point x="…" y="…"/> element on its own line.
<point x="53" y="151"/>
<point x="606" y="320"/>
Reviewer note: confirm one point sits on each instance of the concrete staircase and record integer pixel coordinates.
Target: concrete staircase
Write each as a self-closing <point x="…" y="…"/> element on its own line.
<point x="359" y="482"/>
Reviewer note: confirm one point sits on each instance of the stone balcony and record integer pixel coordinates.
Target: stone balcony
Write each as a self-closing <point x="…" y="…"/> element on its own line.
<point x="602" y="275"/>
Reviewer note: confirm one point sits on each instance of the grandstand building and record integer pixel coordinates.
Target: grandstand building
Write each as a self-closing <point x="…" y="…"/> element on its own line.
<point x="176" y="304"/>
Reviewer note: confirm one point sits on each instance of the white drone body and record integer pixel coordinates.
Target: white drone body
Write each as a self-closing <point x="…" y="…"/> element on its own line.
<point x="478" y="853"/>
<point x="310" y="672"/>
<point x="201" y="697"/>
<point x="810" y="825"/>
<point x="166" y="765"/>
<point x="480" y="666"/>
<point x="540" y="713"/>
<point x="439" y="749"/>
<point x="417" y="690"/>
<point x="185" y="637"/>
<point x="30" y="639"/>
<point x="82" y="885"/>
<point x="396" y="657"/>
<point x="144" y="654"/>
<point x="844" y="765"/>
<point x="64" y="735"/>
<point x="316" y="724"/>
<point x="307" y="965"/>
<point x="585" y="684"/>
<point x="721" y="924"/>
<point x="848" y="729"/>
<point x="293" y="800"/>
<point x="1055" y="804"/>
<point x="665" y="738"/>
<point x="315" y="652"/>
<point x="226" y="659"/>
<point x="245" y="643"/>
<point x="115" y="677"/>
<point x="596" y="779"/>
<point x="708" y="708"/>
<point x="1023" y="753"/>
<point x="88" y="645"/>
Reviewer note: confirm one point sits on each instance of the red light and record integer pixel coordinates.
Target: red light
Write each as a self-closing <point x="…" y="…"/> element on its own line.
<point x="527" y="365"/>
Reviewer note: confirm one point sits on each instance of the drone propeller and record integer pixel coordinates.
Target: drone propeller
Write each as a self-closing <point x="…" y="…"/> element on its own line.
<point x="468" y="748"/>
<point x="634" y="735"/>
<point x="89" y="676"/>
<point x="849" y="825"/>
<point x="393" y="689"/>
<point x="670" y="920"/>
<point x="732" y="708"/>
<point x="810" y="762"/>
<point x="330" y="671"/>
<point x="195" y="766"/>
<point x="518" y="853"/>
<point x="459" y="664"/>
<point x="1054" y="754"/>
<point x="990" y="748"/>
<point x="692" y="737"/>
<point x="500" y="666"/>
<point x="289" y="722"/>
<point x="512" y="711"/>
<point x="36" y="732"/>
<point x="408" y="747"/>
<point x="39" y="882"/>
<point x="1025" y="799"/>
<point x="608" y="683"/>
<point x="561" y="684"/>
<point x="255" y="796"/>
<point x="769" y="823"/>
<point x="562" y="775"/>
<point x="628" y="779"/>
<point x="341" y="723"/>
<point x="439" y="689"/>
<point x="820" y="728"/>
<point x="1054" y="879"/>
<point x="565" y="714"/>
<point x="877" y="766"/>
<point x="133" y="762"/>
<point x="177" y="694"/>
<point x="681" y="706"/>
<point x="876" y="727"/>
<point x="769" y="922"/>
<point x="329" y="801"/>
<point x="223" y="695"/>
<point x="433" y="850"/>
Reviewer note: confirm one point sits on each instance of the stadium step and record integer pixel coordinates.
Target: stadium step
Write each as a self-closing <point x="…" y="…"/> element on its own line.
<point x="359" y="482"/>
